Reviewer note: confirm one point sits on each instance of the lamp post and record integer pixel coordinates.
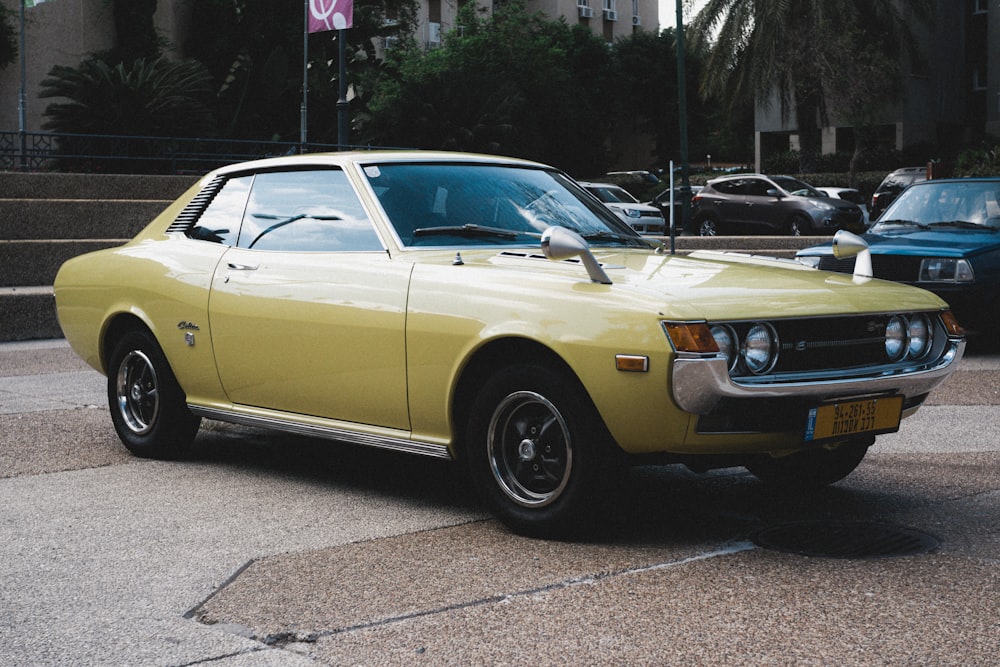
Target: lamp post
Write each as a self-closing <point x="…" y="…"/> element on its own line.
<point x="22" y="97"/>
<point x="685" y="189"/>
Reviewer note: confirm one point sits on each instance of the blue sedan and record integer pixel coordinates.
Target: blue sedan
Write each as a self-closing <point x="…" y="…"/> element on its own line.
<point x="943" y="236"/>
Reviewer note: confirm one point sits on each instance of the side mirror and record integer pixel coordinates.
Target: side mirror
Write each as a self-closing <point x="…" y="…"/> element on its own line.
<point x="560" y="243"/>
<point x="846" y="244"/>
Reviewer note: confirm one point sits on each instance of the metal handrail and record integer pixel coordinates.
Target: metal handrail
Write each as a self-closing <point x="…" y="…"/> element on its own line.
<point x="53" y="151"/>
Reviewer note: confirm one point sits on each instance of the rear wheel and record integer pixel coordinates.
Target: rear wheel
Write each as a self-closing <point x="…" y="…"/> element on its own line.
<point x="536" y="450"/>
<point x="811" y="469"/>
<point x="148" y="407"/>
<point x="708" y="226"/>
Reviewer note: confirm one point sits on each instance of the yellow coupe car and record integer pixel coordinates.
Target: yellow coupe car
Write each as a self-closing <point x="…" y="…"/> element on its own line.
<point x="492" y="311"/>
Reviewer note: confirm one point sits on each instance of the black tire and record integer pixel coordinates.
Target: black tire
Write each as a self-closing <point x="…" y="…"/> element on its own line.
<point x="537" y="451"/>
<point x="148" y="407"/>
<point x="708" y="226"/>
<point x="811" y="469"/>
<point x="799" y="226"/>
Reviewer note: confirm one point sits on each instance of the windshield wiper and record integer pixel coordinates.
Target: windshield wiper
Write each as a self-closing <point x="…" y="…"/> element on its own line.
<point x="471" y="231"/>
<point x="964" y="224"/>
<point x="908" y="223"/>
<point x="286" y="221"/>
<point x="609" y="236"/>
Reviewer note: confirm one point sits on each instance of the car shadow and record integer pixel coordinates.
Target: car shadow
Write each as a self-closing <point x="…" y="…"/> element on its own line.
<point x="644" y="505"/>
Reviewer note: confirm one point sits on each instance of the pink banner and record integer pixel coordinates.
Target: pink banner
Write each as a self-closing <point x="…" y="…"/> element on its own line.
<point x="330" y="15"/>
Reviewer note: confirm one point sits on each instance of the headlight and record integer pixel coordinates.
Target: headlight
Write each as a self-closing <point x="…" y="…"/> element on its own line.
<point x="920" y="335"/>
<point x="725" y="338"/>
<point x="759" y="349"/>
<point x="896" y="333"/>
<point x="633" y="212"/>
<point x="822" y="206"/>
<point x="943" y="270"/>
<point x="812" y="261"/>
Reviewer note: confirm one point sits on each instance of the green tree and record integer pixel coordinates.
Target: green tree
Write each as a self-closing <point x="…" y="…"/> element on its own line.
<point x="509" y="83"/>
<point x="8" y="37"/>
<point x="254" y="51"/>
<point x="793" y="50"/>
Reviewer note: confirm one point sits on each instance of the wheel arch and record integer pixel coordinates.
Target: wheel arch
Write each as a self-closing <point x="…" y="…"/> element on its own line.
<point x="114" y="329"/>
<point x="490" y="358"/>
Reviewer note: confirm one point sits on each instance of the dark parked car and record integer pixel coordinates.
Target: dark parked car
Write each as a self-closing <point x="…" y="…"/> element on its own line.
<point x="891" y="186"/>
<point x="662" y="202"/>
<point x="850" y="194"/>
<point x="757" y="204"/>
<point x="942" y="235"/>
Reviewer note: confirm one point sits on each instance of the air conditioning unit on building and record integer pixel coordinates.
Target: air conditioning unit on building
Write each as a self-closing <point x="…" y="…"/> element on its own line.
<point x="433" y="33"/>
<point x="586" y="12"/>
<point x="636" y="20"/>
<point x="610" y="15"/>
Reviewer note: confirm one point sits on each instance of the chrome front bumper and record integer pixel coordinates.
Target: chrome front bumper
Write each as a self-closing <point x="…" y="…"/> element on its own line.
<point x="700" y="382"/>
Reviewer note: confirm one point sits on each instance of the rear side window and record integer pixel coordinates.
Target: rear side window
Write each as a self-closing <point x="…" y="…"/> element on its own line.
<point x="733" y="187"/>
<point x="220" y="222"/>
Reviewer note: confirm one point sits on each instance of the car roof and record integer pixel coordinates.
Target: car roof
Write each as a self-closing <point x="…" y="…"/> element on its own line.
<point x="591" y="184"/>
<point x="975" y="179"/>
<point x="348" y="157"/>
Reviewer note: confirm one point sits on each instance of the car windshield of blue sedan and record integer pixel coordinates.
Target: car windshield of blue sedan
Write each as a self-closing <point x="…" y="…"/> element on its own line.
<point x="442" y="204"/>
<point x="961" y="204"/>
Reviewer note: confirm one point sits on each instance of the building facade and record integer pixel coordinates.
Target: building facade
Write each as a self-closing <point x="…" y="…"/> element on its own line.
<point x="949" y="99"/>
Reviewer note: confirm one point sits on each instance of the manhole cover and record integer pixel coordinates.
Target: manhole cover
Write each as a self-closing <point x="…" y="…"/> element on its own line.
<point x="845" y="539"/>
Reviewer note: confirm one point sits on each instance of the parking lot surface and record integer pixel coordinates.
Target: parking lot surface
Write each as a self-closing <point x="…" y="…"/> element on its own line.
<point x="265" y="549"/>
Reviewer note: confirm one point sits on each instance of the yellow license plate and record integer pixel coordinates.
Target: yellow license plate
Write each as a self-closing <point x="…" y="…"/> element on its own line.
<point x="870" y="415"/>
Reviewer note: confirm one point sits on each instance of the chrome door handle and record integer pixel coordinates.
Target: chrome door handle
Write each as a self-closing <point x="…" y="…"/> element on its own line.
<point x="243" y="267"/>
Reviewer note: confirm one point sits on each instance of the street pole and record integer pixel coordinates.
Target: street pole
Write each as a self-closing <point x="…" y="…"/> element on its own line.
<point x="22" y="99"/>
<point x="685" y="190"/>
<point x="343" y="106"/>
<point x="303" y="112"/>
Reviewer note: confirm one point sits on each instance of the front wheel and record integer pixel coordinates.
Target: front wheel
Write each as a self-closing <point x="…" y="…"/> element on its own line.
<point x="536" y="450"/>
<point x="799" y="226"/>
<point x="148" y="406"/>
<point x="811" y="469"/>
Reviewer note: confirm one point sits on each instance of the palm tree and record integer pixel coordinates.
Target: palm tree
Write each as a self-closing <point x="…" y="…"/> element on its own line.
<point x="157" y="97"/>
<point x="792" y="52"/>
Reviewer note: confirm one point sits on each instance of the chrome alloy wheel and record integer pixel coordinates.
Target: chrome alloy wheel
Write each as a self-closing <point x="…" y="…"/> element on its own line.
<point x="137" y="392"/>
<point x="529" y="448"/>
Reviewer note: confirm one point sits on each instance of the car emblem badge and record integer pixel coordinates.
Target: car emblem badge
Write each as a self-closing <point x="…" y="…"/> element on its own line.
<point x="800" y="346"/>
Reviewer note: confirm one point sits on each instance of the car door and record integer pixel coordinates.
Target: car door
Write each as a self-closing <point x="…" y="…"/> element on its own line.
<point x="763" y="211"/>
<point x="731" y="204"/>
<point x="307" y="310"/>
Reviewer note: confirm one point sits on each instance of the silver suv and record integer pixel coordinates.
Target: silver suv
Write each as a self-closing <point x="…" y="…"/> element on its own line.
<point x="758" y="204"/>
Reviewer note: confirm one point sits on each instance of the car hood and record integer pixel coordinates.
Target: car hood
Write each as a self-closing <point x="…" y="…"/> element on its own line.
<point x="705" y="285"/>
<point x="939" y="242"/>
<point x="620" y="206"/>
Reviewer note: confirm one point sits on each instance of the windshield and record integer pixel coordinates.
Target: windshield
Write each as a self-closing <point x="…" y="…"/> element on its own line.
<point x="794" y="186"/>
<point x="612" y="194"/>
<point x="956" y="203"/>
<point x="448" y="204"/>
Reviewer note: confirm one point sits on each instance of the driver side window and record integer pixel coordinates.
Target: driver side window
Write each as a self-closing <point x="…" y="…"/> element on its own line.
<point x="306" y="210"/>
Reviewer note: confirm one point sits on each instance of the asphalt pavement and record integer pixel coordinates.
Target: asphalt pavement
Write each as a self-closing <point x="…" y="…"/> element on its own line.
<point x="265" y="549"/>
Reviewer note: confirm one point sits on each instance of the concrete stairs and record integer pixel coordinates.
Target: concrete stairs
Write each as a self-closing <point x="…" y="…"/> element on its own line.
<point x="47" y="218"/>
